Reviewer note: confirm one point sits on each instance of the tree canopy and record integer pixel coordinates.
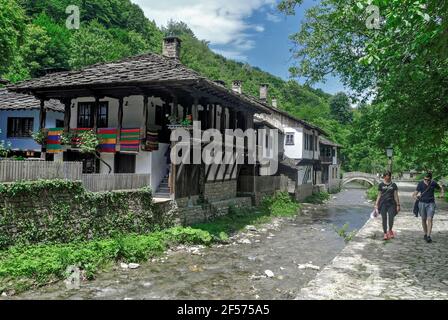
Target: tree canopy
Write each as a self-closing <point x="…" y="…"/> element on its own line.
<point x="401" y="65"/>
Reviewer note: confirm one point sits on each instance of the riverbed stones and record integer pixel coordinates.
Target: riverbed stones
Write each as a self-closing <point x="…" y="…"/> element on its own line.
<point x="269" y="274"/>
<point x="251" y="228"/>
<point x="133" y="266"/>
<point x="244" y="241"/>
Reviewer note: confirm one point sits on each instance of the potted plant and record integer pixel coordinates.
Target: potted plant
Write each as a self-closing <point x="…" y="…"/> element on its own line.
<point x="176" y="123"/>
<point x="89" y="144"/>
<point x="40" y="137"/>
<point x="4" y="148"/>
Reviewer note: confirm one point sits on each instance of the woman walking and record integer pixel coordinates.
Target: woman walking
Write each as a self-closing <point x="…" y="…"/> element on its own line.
<point x="388" y="204"/>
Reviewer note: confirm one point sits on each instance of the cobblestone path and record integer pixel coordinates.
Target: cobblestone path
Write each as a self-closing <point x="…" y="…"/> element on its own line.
<point x="404" y="268"/>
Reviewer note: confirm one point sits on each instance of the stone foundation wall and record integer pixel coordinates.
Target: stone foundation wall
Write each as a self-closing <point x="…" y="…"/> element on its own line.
<point x="304" y="191"/>
<point x="208" y="212"/>
<point x="216" y="191"/>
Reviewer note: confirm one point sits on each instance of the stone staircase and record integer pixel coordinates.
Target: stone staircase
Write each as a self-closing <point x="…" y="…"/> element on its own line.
<point x="163" y="192"/>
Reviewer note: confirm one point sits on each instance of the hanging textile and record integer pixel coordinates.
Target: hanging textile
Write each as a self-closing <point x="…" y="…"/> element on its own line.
<point x="54" y="140"/>
<point x="152" y="141"/>
<point x="130" y="140"/>
<point x="108" y="140"/>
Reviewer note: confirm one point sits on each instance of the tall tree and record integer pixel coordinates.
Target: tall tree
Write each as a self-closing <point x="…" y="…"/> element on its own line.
<point x="341" y="109"/>
<point x="402" y="61"/>
<point x="12" y="27"/>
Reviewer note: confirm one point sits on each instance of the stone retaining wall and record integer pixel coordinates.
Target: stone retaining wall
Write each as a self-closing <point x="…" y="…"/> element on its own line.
<point x="61" y="212"/>
<point x="208" y="212"/>
<point x="216" y="191"/>
<point x="303" y="192"/>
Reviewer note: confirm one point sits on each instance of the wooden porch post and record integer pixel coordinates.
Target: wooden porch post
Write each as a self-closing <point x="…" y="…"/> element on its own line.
<point x="42" y="125"/>
<point x="42" y="115"/>
<point x="232" y="119"/>
<point x="144" y="125"/>
<point x="96" y="107"/>
<point x="196" y="109"/>
<point x="215" y="116"/>
<point x="223" y="119"/>
<point x="67" y="114"/>
<point x="120" y="121"/>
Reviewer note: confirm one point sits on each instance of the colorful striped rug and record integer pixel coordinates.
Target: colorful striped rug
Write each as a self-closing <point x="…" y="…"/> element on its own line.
<point x="108" y="140"/>
<point x="54" y="140"/>
<point x="130" y="140"/>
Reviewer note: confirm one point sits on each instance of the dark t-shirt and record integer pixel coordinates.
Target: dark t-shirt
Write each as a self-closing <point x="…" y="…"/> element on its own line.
<point x="428" y="196"/>
<point x="387" y="192"/>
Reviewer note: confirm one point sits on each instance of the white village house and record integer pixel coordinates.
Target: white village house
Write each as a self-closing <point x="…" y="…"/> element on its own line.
<point x="306" y="156"/>
<point x="127" y="103"/>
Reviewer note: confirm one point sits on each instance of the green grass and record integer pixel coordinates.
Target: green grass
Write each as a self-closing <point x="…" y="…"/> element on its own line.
<point x="318" y="198"/>
<point x="372" y="193"/>
<point x="24" y="267"/>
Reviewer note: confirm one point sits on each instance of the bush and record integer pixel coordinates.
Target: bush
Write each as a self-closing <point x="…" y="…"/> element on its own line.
<point x="318" y="198"/>
<point x="372" y="193"/>
<point x="280" y="205"/>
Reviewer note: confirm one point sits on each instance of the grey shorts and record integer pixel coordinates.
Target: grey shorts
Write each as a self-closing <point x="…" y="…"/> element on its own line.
<point x="427" y="210"/>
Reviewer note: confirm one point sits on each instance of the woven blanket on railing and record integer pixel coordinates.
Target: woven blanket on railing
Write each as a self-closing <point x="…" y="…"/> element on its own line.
<point x="76" y="140"/>
<point x="108" y="140"/>
<point x="152" y="141"/>
<point x="130" y="140"/>
<point x="54" y="140"/>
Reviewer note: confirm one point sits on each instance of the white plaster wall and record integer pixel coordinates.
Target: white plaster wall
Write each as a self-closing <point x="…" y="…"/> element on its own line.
<point x="143" y="163"/>
<point x="296" y="151"/>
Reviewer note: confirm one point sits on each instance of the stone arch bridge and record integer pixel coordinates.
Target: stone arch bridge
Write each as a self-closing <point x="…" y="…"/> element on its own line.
<point x="371" y="179"/>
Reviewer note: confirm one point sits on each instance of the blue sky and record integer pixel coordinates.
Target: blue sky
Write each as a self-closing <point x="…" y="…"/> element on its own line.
<point x="247" y="30"/>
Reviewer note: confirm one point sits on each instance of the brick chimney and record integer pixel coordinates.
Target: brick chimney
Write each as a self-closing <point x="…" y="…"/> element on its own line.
<point x="237" y="86"/>
<point x="275" y="103"/>
<point x="171" y="47"/>
<point x="264" y="92"/>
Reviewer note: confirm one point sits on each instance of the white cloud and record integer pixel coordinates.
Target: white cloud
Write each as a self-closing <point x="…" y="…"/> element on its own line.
<point x="273" y="17"/>
<point x="259" y="28"/>
<point x="223" y="23"/>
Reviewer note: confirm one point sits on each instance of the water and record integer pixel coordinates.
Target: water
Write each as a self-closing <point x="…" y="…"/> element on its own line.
<point x="235" y="271"/>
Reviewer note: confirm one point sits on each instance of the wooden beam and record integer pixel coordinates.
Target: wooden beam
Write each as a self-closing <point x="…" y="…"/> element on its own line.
<point x="96" y="107"/>
<point x="42" y="115"/>
<point x="120" y="119"/>
<point x="144" y="125"/>
<point x="42" y="125"/>
<point x="196" y="108"/>
<point x="67" y="114"/>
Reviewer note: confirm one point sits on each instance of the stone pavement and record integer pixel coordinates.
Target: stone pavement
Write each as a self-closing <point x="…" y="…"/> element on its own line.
<point x="404" y="268"/>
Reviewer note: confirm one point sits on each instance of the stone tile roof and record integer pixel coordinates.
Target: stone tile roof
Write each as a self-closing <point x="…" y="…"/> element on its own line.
<point x="327" y="142"/>
<point x="138" y="69"/>
<point x="17" y="101"/>
<point x="300" y="121"/>
<point x="143" y="69"/>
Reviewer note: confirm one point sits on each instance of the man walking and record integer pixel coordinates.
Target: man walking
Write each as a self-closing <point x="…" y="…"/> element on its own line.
<point x="427" y="203"/>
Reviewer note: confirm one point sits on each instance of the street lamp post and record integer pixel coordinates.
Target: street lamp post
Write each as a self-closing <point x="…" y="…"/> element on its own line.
<point x="390" y="155"/>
